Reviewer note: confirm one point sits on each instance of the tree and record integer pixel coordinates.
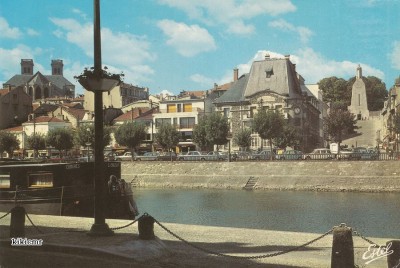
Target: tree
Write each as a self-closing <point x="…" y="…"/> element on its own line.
<point x="243" y="138"/>
<point x="335" y="90"/>
<point x="217" y="129"/>
<point x="167" y="137"/>
<point x="268" y="124"/>
<point x="36" y="142"/>
<point x="85" y="134"/>
<point x="200" y="134"/>
<point x="290" y="136"/>
<point x="339" y="122"/>
<point x="130" y="134"/>
<point x="8" y="143"/>
<point x="61" y="139"/>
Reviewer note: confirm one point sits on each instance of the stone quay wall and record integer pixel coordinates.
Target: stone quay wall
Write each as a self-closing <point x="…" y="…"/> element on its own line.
<point x="356" y="176"/>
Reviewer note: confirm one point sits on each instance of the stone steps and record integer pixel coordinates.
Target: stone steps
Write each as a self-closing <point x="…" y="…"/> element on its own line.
<point x="251" y="183"/>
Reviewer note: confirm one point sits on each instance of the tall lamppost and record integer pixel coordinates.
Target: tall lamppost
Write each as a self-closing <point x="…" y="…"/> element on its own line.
<point x="98" y="81"/>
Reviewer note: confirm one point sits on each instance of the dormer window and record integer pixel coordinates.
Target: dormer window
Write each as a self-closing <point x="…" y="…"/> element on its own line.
<point x="268" y="72"/>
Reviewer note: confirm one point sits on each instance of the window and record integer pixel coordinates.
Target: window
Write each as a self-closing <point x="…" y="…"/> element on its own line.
<point x="161" y="121"/>
<point x="269" y="72"/>
<point x="43" y="179"/>
<point x="4" y="180"/>
<point x="179" y="108"/>
<point x="187" y="107"/>
<point x="171" y="108"/>
<point x="226" y="112"/>
<point x="187" y="122"/>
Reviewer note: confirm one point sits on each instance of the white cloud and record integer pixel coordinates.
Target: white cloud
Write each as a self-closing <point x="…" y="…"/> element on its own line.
<point x="395" y="55"/>
<point x="32" y="32"/>
<point x="187" y="40"/>
<point x="231" y="12"/>
<point x="202" y="80"/>
<point x="311" y="65"/>
<point x="121" y="51"/>
<point x="303" y="32"/>
<point x="7" y="31"/>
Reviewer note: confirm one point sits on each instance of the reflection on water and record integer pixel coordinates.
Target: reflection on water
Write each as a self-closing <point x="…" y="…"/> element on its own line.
<point x="372" y="214"/>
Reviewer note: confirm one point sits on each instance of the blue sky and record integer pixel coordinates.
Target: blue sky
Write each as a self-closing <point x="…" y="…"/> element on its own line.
<point x="175" y="45"/>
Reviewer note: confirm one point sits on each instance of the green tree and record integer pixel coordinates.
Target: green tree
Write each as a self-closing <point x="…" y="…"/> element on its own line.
<point x="268" y="124"/>
<point x="199" y="135"/>
<point x="335" y="90"/>
<point x="8" y="143"/>
<point x="217" y="129"/>
<point x="375" y="89"/>
<point x="62" y="139"/>
<point x="130" y="134"/>
<point x="167" y="137"/>
<point x="36" y="142"/>
<point x="290" y="136"/>
<point x="85" y="134"/>
<point x="243" y="138"/>
<point x="338" y="123"/>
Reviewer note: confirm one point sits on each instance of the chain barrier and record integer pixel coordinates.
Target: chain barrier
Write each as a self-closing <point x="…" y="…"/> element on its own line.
<point x="242" y="257"/>
<point x="37" y="228"/>
<point x="5" y="215"/>
<point x="129" y="224"/>
<point x="366" y="239"/>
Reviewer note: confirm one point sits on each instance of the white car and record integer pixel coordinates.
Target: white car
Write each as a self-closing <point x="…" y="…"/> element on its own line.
<point x="125" y="157"/>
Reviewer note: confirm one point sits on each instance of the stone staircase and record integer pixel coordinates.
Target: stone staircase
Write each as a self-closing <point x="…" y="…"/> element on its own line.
<point x="366" y="133"/>
<point x="251" y="183"/>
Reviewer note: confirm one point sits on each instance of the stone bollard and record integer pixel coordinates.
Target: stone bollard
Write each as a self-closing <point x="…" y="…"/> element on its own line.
<point x="342" y="247"/>
<point x="17" y="225"/>
<point x="146" y="227"/>
<point x="393" y="259"/>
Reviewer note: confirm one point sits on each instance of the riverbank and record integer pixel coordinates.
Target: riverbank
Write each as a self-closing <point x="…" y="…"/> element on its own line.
<point x="66" y="244"/>
<point x="353" y="176"/>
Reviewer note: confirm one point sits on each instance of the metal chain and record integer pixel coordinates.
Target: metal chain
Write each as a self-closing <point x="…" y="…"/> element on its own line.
<point x="37" y="228"/>
<point x="242" y="257"/>
<point x="5" y="215"/>
<point x="366" y="239"/>
<point x="129" y="224"/>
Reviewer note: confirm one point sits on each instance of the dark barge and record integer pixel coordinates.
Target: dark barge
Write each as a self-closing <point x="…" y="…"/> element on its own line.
<point x="64" y="189"/>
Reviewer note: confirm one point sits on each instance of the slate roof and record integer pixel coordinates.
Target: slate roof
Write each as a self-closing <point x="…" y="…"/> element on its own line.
<point x="21" y="79"/>
<point x="235" y="93"/>
<point x="132" y="114"/>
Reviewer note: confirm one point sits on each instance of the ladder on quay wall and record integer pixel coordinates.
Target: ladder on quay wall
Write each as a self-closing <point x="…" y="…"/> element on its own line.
<point x="135" y="182"/>
<point x="250" y="184"/>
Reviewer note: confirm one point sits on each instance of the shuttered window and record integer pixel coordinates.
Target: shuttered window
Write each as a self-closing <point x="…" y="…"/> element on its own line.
<point x="171" y="108"/>
<point x="187" y="107"/>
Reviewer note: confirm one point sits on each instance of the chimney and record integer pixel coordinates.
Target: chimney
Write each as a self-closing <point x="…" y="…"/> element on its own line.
<point x="267" y="56"/>
<point x="215" y="86"/>
<point x="235" y="74"/>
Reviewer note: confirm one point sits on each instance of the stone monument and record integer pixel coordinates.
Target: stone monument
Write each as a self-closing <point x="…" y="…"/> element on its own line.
<point x="359" y="105"/>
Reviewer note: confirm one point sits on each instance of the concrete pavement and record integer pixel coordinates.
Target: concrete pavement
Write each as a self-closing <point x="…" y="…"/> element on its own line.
<point x="66" y="244"/>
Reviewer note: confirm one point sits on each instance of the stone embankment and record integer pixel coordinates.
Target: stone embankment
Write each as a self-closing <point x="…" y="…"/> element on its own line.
<point x="357" y="176"/>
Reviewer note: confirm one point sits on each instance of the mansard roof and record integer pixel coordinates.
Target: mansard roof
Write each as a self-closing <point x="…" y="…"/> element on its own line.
<point x="235" y="94"/>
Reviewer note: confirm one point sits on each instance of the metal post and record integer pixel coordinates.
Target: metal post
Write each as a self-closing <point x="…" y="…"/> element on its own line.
<point x="342" y="247"/>
<point x="99" y="228"/>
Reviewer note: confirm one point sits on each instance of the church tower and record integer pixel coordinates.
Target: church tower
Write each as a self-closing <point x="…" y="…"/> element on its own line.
<point x="359" y="105"/>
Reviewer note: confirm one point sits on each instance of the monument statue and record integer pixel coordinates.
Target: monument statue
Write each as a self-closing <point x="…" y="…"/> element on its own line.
<point x="359" y="105"/>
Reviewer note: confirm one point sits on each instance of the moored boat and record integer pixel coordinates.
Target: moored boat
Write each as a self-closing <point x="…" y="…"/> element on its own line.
<point x="65" y="189"/>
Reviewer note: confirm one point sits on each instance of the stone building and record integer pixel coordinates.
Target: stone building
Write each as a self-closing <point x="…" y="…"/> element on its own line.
<point x="273" y="84"/>
<point x="40" y="86"/>
<point x="15" y="106"/>
<point x="359" y="105"/>
<point x="118" y="97"/>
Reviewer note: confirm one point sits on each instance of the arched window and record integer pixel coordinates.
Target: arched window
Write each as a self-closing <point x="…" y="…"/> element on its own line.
<point x="46" y="92"/>
<point x="38" y="93"/>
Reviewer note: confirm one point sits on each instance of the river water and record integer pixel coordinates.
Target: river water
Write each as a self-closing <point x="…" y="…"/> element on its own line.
<point x="372" y="214"/>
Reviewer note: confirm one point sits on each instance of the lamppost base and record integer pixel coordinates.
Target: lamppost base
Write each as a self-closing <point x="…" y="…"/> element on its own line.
<point x="100" y="230"/>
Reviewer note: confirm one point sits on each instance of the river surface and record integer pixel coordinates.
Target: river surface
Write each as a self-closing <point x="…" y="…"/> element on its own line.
<point x="372" y="214"/>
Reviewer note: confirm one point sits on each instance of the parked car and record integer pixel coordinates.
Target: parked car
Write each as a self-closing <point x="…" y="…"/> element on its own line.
<point x="167" y="156"/>
<point x="193" y="156"/>
<point x="345" y="154"/>
<point x="217" y="155"/>
<point x="290" y="155"/>
<point x="362" y="153"/>
<point x="319" y="154"/>
<point x="149" y="156"/>
<point x="263" y="155"/>
<point x="126" y="157"/>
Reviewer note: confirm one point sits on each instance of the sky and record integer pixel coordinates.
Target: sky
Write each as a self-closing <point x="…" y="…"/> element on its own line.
<point x="176" y="45"/>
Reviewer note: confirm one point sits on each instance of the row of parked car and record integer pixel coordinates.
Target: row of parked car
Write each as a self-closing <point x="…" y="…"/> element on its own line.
<point x="359" y="153"/>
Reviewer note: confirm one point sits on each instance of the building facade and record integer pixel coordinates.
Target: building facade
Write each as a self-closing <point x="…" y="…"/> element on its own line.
<point x="15" y="106"/>
<point x="40" y="86"/>
<point x="272" y="84"/>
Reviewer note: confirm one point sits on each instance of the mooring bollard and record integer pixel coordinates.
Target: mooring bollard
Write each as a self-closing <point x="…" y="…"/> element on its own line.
<point x="146" y="227"/>
<point x="342" y="247"/>
<point x="17" y="225"/>
<point x="393" y="259"/>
